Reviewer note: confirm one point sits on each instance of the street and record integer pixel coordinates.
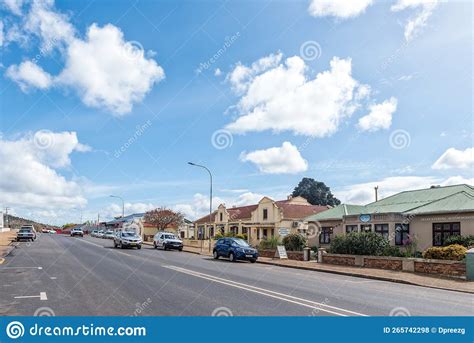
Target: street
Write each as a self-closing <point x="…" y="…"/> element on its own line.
<point x="65" y="276"/>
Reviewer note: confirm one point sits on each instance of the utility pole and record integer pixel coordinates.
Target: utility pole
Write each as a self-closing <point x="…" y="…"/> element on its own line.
<point x="6" y="216"/>
<point x="376" y="188"/>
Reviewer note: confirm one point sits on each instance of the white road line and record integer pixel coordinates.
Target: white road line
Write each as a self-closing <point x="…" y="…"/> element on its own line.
<point x="288" y="298"/>
<point x="83" y="240"/>
<point x="42" y="296"/>
<point x="21" y="268"/>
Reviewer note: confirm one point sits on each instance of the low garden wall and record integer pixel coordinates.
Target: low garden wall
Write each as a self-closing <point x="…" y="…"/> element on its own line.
<point x="292" y="255"/>
<point x="417" y="265"/>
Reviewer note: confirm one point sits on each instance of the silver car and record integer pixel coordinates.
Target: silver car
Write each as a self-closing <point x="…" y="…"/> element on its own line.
<point x="127" y="239"/>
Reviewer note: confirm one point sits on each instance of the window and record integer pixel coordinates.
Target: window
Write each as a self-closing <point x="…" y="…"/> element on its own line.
<point x="365" y="227"/>
<point x="351" y="228"/>
<point x="220" y="216"/>
<point x="441" y="231"/>
<point x="220" y="241"/>
<point x="401" y="233"/>
<point x="244" y="230"/>
<point x="265" y="214"/>
<point x="382" y="229"/>
<point x="325" y="236"/>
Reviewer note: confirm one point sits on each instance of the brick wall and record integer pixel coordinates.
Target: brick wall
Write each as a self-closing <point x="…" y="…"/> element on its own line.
<point x="383" y="263"/>
<point x="440" y="268"/>
<point x="267" y="253"/>
<point x="295" y="255"/>
<point x="338" y="259"/>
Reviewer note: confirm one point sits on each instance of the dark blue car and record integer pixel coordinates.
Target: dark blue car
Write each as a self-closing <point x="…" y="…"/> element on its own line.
<point x="235" y="249"/>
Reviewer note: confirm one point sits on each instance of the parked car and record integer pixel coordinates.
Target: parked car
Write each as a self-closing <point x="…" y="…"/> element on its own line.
<point x="52" y="232"/>
<point x="109" y="234"/>
<point x="77" y="231"/>
<point x="100" y="234"/>
<point x="127" y="239"/>
<point x="44" y="230"/>
<point x="167" y="240"/>
<point x="94" y="233"/>
<point x="26" y="232"/>
<point x="234" y="249"/>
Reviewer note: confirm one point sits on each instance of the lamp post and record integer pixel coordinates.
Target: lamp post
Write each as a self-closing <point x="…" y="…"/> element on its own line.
<point x="123" y="204"/>
<point x="210" y="199"/>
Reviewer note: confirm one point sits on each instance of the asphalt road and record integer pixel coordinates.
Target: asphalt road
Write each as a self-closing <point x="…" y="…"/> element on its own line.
<point x="62" y="275"/>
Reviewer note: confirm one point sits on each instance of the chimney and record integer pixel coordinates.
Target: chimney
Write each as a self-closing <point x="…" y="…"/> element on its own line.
<point x="289" y="197"/>
<point x="376" y="188"/>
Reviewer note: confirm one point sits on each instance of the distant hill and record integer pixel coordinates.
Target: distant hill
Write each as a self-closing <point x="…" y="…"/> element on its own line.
<point x="17" y="222"/>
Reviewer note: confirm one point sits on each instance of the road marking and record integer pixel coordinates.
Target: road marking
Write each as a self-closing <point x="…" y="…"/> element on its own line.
<point x="53" y="277"/>
<point x="42" y="296"/>
<point x="97" y="245"/>
<point x="266" y="292"/>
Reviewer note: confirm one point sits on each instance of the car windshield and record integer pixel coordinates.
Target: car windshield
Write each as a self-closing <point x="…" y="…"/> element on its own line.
<point x="240" y="243"/>
<point x="170" y="237"/>
<point x="25" y="230"/>
<point x="109" y="232"/>
<point x="128" y="234"/>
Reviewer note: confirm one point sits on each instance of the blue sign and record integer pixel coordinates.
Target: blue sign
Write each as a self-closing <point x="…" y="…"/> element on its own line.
<point x="365" y="218"/>
<point x="170" y="329"/>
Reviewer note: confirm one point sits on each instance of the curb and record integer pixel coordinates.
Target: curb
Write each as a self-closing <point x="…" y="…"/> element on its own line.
<point x="379" y="278"/>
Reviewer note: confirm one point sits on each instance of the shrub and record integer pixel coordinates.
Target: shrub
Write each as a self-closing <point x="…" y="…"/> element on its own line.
<point x="454" y="252"/>
<point x="466" y="241"/>
<point x="359" y="243"/>
<point x="218" y="236"/>
<point x="270" y="243"/>
<point x="241" y="236"/>
<point x="294" y="242"/>
<point x="393" y="251"/>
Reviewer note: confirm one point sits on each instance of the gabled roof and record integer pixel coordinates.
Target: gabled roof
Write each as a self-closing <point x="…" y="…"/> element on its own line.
<point x="456" y="198"/>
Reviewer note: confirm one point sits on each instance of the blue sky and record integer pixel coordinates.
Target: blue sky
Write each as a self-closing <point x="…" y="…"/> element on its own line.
<point x="100" y="99"/>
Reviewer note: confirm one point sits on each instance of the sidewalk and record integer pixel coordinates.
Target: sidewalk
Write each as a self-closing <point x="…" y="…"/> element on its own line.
<point x="376" y="274"/>
<point x="5" y="243"/>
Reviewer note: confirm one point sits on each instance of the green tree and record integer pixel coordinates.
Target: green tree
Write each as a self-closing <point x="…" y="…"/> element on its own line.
<point x="317" y="193"/>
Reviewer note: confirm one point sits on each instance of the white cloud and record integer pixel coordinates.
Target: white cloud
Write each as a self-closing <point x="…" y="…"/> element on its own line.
<point x="379" y="117"/>
<point x="30" y="179"/>
<point x="13" y="6"/>
<point x="453" y="158"/>
<point x="107" y="71"/>
<point x="279" y="160"/>
<point x="52" y="27"/>
<point x="364" y="193"/>
<point x="415" y="23"/>
<point x="338" y="8"/>
<point x="284" y="98"/>
<point x="217" y="72"/>
<point x="29" y="75"/>
<point x="2" y="35"/>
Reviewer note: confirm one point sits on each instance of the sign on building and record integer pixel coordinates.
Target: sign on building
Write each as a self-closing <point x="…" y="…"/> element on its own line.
<point x="281" y="252"/>
<point x="283" y="231"/>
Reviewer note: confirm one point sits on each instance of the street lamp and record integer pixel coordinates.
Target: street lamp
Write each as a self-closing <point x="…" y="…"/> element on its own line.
<point x="123" y="204"/>
<point x="210" y="198"/>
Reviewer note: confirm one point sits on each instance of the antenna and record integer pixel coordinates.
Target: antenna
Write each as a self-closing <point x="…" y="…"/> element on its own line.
<point x="376" y="188"/>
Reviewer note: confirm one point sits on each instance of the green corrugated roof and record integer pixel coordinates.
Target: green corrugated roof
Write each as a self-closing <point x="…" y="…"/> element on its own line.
<point x="458" y="202"/>
<point x="437" y="199"/>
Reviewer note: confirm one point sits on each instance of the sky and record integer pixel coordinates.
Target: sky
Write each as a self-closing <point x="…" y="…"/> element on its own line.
<point x="101" y="98"/>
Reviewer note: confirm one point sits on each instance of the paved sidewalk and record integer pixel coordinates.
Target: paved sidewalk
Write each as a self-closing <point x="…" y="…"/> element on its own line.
<point x="377" y="274"/>
<point x="5" y="243"/>
<point x="190" y="249"/>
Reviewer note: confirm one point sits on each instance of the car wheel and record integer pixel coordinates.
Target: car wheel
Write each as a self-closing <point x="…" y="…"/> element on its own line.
<point x="139" y="246"/>
<point x="164" y="247"/>
<point x="115" y="245"/>
<point x="231" y="257"/>
<point x="154" y="245"/>
<point x="215" y="255"/>
<point x="253" y="260"/>
<point x="180" y="249"/>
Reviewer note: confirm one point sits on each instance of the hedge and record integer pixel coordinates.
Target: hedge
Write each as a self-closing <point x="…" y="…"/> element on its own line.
<point x="454" y="252"/>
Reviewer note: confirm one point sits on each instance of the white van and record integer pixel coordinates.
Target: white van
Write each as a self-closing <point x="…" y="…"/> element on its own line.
<point x="167" y="240"/>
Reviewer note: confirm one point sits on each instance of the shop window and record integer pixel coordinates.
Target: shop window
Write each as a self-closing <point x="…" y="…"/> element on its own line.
<point x="402" y="232"/>
<point x="351" y="228"/>
<point x="382" y="229"/>
<point x="441" y="231"/>
<point x="325" y="236"/>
